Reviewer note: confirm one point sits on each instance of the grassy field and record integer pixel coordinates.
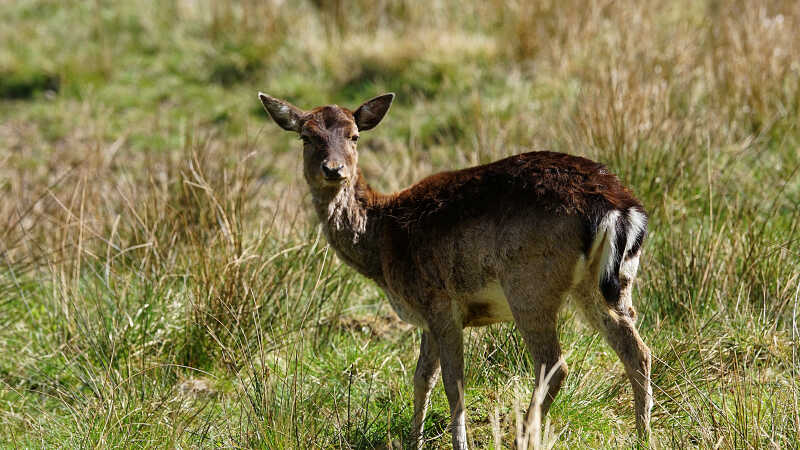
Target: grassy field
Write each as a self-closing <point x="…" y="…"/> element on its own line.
<point x="164" y="283"/>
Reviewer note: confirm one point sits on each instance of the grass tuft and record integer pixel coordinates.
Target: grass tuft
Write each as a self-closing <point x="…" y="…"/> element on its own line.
<point x="163" y="282"/>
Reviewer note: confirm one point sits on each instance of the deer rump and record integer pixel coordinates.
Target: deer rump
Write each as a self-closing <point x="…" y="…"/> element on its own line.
<point x="615" y="223"/>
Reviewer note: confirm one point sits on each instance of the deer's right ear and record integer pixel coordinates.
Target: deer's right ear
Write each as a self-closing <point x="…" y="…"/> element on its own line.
<point x="286" y="115"/>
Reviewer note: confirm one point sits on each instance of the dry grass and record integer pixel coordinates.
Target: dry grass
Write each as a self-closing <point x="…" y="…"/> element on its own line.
<point x="155" y="230"/>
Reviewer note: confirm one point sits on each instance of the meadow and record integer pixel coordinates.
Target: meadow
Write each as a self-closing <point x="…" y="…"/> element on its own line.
<point x="164" y="282"/>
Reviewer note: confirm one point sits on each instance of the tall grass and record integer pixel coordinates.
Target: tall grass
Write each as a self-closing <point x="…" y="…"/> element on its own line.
<point x="164" y="284"/>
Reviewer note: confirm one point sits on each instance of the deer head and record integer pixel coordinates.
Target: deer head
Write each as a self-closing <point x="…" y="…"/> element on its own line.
<point x="330" y="134"/>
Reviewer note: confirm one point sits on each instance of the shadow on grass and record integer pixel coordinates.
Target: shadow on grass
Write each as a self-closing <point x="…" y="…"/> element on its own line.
<point x="24" y="85"/>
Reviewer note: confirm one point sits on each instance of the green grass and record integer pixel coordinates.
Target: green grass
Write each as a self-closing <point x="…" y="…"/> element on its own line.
<point x="164" y="283"/>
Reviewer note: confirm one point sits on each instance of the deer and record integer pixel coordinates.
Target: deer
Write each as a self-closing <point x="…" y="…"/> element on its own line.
<point x="508" y="241"/>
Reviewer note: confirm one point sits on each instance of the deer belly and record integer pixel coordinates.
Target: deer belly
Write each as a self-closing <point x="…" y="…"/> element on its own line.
<point x="405" y="311"/>
<point x="488" y="305"/>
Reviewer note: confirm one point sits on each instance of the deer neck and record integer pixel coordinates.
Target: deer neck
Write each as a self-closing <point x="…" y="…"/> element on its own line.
<point x="351" y="223"/>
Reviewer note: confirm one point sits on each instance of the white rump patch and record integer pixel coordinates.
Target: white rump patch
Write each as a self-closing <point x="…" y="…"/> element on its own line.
<point x="607" y="237"/>
<point x="637" y="222"/>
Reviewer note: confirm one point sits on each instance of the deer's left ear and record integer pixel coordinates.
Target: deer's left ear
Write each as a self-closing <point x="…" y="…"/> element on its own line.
<point x="371" y="112"/>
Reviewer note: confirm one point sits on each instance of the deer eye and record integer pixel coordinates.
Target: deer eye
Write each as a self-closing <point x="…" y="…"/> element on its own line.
<point x="354" y="138"/>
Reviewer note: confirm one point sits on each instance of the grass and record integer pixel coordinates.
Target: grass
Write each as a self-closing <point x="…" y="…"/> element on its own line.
<point x="163" y="282"/>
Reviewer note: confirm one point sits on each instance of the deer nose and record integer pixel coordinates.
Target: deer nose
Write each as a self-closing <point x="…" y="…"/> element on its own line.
<point x="333" y="171"/>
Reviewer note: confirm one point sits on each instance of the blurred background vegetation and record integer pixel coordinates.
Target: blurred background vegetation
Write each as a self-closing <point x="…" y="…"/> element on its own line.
<point x="164" y="284"/>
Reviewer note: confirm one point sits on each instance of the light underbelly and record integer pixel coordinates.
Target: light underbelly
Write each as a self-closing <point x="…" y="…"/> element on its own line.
<point x="488" y="305"/>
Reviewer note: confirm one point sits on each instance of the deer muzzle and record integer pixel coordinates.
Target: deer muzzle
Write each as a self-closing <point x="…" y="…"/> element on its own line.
<point x="333" y="171"/>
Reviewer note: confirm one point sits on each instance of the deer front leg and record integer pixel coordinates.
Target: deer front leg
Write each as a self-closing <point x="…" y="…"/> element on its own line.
<point x="448" y="336"/>
<point x="424" y="379"/>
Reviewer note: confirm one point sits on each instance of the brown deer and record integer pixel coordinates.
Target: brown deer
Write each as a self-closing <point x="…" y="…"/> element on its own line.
<point x="507" y="241"/>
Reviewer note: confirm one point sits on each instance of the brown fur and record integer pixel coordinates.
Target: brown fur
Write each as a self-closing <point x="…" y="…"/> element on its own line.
<point x="504" y="241"/>
<point x="553" y="182"/>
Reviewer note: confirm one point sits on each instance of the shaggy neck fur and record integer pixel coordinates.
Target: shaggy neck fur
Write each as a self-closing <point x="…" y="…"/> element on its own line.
<point x="351" y="223"/>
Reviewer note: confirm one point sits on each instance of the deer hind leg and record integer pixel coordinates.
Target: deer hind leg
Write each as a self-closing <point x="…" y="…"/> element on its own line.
<point x="535" y="310"/>
<point x="621" y="334"/>
<point x="617" y="325"/>
<point x="424" y="379"/>
<point x="543" y="345"/>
